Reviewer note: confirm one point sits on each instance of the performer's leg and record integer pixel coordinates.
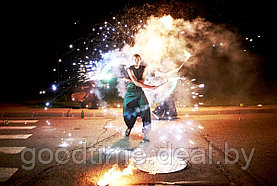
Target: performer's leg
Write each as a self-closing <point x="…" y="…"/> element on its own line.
<point x="145" y="116"/>
<point x="129" y="121"/>
<point x="130" y="115"/>
<point x="146" y="120"/>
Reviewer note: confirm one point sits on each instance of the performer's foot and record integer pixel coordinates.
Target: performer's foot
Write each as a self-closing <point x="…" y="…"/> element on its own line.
<point x="127" y="132"/>
<point x="146" y="136"/>
<point x="146" y="140"/>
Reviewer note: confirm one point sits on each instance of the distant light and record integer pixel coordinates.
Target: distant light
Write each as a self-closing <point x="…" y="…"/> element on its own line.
<point x="54" y="87"/>
<point x="47" y="104"/>
<point x="48" y="122"/>
<point x="70" y="46"/>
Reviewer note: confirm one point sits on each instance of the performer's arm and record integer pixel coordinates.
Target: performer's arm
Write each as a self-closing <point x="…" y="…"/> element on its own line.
<point x="127" y="79"/>
<point x="139" y="83"/>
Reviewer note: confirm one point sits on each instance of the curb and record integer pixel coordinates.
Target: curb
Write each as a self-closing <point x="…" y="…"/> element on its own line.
<point x="118" y="112"/>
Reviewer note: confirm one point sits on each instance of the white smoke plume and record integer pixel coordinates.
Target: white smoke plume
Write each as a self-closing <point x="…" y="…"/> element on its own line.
<point x="164" y="44"/>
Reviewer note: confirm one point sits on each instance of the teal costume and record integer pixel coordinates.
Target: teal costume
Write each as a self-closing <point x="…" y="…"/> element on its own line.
<point x="135" y="102"/>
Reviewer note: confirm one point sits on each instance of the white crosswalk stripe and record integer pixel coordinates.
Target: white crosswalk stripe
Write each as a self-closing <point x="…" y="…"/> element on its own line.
<point x="6" y="173"/>
<point x="11" y="150"/>
<point x="16" y="136"/>
<point x="17" y="128"/>
<point x="22" y="121"/>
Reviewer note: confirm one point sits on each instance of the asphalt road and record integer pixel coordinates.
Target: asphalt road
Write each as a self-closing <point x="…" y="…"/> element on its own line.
<point x="218" y="150"/>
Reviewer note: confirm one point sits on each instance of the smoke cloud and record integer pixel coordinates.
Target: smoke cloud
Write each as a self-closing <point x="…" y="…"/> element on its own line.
<point x="210" y="53"/>
<point x="169" y="35"/>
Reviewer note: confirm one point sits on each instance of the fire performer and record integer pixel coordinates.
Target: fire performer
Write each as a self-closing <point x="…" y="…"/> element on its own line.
<point x="135" y="102"/>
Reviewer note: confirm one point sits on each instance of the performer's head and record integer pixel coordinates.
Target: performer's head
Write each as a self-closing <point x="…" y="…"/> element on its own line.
<point x="137" y="59"/>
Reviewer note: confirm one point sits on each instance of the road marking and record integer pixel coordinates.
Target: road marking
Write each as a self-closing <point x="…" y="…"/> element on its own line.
<point x="11" y="150"/>
<point x="17" y="127"/>
<point x="16" y="136"/>
<point x="22" y="121"/>
<point x="6" y="173"/>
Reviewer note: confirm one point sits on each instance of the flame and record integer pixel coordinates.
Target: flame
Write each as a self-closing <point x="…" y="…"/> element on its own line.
<point x="115" y="173"/>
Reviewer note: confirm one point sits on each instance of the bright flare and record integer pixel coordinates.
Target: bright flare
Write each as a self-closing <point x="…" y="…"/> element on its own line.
<point x="155" y="46"/>
<point x="167" y="21"/>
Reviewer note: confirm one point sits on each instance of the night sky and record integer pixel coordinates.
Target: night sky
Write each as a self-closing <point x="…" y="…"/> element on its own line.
<point x="36" y="35"/>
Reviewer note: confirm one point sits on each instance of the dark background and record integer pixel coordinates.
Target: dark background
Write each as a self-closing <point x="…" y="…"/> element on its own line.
<point x="37" y="34"/>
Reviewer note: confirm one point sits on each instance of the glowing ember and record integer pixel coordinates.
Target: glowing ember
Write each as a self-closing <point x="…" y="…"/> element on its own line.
<point x="115" y="173"/>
